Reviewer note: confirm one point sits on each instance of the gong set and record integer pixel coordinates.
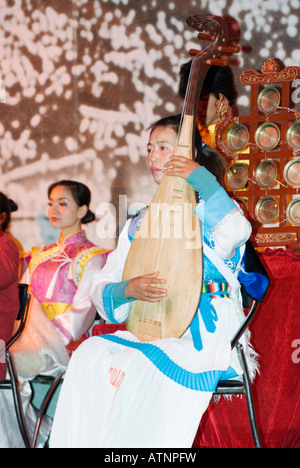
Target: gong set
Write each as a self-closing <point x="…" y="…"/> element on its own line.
<point x="263" y="150"/>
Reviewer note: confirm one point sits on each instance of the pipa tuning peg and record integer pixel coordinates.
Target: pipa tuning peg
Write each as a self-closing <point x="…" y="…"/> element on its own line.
<point x="229" y="49"/>
<point x="206" y="37"/>
<point x="222" y="62"/>
<point x="194" y="52"/>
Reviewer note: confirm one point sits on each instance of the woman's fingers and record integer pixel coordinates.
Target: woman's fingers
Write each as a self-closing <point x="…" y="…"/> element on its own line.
<point x="179" y="166"/>
<point x="146" y="288"/>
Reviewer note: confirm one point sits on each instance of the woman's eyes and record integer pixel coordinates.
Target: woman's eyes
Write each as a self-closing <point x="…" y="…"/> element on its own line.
<point x="60" y="204"/>
<point x="161" y="148"/>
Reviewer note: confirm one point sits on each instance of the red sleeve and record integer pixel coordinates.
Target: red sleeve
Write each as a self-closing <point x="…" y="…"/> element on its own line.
<point x="9" y="262"/>
<point x="8" y="270"/>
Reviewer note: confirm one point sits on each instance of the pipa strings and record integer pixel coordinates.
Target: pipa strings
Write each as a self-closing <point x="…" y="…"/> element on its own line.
<point x="188" y="109"/>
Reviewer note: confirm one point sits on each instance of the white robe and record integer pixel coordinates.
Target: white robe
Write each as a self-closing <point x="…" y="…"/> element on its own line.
<point x="119" y="392"/>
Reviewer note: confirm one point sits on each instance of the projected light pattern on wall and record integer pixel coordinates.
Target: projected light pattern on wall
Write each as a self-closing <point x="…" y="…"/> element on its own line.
<point x="81" y="81"/>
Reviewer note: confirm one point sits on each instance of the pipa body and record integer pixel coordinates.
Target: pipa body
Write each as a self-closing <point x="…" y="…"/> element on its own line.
<point x="169" y="241"/>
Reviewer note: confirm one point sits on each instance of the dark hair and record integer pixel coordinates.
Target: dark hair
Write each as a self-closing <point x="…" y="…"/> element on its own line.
<point x="206" y="156"/>
<point x="7" y="206"/>
<point x="81" y="194"/>
<point x="217" y="80"/>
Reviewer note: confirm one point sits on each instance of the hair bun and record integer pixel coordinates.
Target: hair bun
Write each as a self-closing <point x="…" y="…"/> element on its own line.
<point x="89" y="217"/>
<point x="12" y="206"/>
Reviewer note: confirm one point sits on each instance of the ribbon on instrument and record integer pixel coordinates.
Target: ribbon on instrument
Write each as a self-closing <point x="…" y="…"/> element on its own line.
<point x="63" y="259"/>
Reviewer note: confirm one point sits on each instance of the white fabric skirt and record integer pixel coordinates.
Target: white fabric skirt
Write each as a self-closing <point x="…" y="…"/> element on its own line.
<point x="120" y="393"/>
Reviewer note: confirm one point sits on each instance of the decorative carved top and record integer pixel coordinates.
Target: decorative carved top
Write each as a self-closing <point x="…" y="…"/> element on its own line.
<point x="272" y="71"/>
<point x="224" y="112"/>
<point x="272" y="66"/>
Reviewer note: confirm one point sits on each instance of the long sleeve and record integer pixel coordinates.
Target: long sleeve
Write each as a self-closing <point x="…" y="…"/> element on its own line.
<point x="226" y="221"/>
<point x="111" y="275"/>
<point x="9" y="304"/>
<point x="9" y="266"/>
<point x="82" y="314"/>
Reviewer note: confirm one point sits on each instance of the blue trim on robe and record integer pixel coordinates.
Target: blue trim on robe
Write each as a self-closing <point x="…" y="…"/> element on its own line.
<point x="209" y="317"/>
<point x="204" y="381"/>
<point x="230" y="373"/>
<point x="215" y="209"/>
<point x="118" y="294"/>
<point x="203" y="182"/>
<point x="108" y="303"/>
<point x="113" y="297"/>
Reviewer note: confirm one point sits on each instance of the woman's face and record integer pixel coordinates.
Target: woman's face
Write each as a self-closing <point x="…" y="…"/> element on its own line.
<point x="160" y="149"/>
<point x="63" y="212"/>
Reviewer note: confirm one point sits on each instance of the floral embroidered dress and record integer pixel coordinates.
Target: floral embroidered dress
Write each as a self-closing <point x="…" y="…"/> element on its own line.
<point x="60" y="276"/>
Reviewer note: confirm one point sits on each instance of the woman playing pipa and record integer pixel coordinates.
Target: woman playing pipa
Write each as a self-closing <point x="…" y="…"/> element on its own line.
<point x="124" y="390"/>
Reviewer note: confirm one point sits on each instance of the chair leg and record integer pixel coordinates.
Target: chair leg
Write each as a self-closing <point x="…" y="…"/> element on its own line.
<point x="44" y="406"/>
<point x="17" y="401"/>
<point x="249" y="397"/>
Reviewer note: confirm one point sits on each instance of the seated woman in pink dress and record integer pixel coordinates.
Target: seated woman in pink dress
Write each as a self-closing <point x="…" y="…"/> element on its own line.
<point x="60" y="276"/>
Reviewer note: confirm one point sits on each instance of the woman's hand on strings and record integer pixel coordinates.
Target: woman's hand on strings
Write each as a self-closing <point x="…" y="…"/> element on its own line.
<point x="179" y="166"/>
<point x="146" y="288"/>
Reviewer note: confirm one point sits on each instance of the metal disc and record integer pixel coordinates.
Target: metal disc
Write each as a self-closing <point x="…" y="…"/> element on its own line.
<point x="266" y="173"/>
<point x="267" y="210"/>
<point x="293" y="211"/>
<point x="268" y="100"/>
<point x="267" y="136"/>
<point x="291" y="173"/>
<point x="293" y="135"/>
<point x="237" y="176"/>
<point x="237" y="137"/>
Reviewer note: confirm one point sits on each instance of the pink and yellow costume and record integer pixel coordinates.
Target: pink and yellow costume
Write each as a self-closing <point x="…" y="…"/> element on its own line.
<point x="60" y="277"/>
<point x="61" y="312"/>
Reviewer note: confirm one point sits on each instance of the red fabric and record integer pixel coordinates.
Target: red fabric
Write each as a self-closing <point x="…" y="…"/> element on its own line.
<point x="71" y="347"/>
<point x="276" y="391"/>
<point x="107" y="328"/>
<point x="101" y="329"/>
<point x="9" y="292"/>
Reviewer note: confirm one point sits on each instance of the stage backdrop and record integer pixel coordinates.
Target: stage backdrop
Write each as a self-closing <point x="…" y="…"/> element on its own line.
<point x="82" y="80"/>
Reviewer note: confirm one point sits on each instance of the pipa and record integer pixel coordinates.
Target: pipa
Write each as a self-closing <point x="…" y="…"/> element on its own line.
<point x="169" y="237"/>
